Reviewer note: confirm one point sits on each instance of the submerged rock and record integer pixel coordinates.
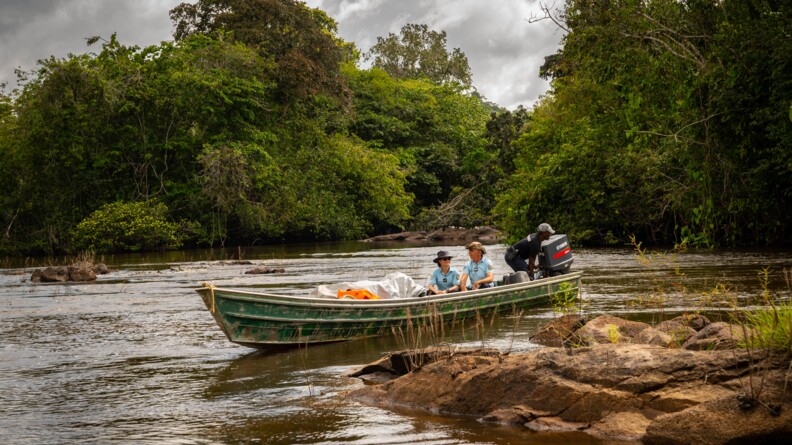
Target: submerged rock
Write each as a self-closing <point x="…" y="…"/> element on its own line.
<point x="265" y="270"/>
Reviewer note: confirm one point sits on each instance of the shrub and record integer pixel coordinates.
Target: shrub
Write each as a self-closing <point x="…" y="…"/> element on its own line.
<point x="127" y="227"/>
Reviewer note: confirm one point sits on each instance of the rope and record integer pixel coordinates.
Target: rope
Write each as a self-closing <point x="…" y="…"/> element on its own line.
<point x="211" y="292"/>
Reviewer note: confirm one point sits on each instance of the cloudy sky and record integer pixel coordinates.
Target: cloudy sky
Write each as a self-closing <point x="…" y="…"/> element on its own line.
<point x="505" y="51"/>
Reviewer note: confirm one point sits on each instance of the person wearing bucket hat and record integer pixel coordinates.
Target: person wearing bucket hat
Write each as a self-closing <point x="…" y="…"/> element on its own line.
<point x="528" y="249"/>
<point x="480" y="269"/>
<point x="444" y="279"/>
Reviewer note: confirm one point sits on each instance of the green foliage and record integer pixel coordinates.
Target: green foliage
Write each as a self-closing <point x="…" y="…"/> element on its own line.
<point x="301" y="41"/>
<point x="201" y="127"/>
<point x="434" y="130"/>
<point x="127" y="227"/>
<point x="420" y="52"/>
<point x="666" y="120"/>
<point x="565" y="300"/>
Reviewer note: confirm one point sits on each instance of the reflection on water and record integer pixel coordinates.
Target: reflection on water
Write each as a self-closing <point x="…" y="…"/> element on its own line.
<point x="136" y="358"/>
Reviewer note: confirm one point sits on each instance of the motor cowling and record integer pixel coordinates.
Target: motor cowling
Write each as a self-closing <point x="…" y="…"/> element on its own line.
<point x="555" y="256"/>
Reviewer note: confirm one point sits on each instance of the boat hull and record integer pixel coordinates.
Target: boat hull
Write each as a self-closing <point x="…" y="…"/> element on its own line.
<point x="263" y="320"/>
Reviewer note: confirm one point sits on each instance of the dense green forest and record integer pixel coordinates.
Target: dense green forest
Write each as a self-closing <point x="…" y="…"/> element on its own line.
<point x="670" y="120"/>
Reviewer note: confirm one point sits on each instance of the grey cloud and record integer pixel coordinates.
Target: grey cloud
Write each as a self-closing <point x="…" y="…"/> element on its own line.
<point x="39" y="29"/>
<point x="504" y="50"/>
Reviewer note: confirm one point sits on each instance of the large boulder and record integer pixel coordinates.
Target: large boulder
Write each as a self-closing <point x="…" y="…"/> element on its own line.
<point x="81" y="273"/>
<point x="607" y="329"/>
<point x="696" y="322"/>
<point x="100" y="268"/>
<point x="718" y="335"/>
<point x="51" y="274"/>
<point x="677" y="330"/>
<point x="654" y="336"/>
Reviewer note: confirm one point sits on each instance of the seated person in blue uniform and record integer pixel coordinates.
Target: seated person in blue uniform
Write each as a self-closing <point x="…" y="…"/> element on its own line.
<point x="479" y="269"/>
<point x="444" y="279"/>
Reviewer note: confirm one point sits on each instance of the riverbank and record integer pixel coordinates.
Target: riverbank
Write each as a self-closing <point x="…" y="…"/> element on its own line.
<point x="485" y="235"/>
<point x="623" y="389"/>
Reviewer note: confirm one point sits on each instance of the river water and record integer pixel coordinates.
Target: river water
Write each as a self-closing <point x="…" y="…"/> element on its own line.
<point x="135" y="357"/>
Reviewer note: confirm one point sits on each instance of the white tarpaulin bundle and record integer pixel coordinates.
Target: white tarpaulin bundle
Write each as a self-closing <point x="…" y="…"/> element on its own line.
<point x="394" y="285"/>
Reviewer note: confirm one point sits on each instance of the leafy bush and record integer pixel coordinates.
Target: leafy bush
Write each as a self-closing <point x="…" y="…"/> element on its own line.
<point x="127" y="226"/>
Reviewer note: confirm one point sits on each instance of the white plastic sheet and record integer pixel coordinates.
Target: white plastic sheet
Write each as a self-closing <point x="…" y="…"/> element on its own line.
<point x="394" y="285"/>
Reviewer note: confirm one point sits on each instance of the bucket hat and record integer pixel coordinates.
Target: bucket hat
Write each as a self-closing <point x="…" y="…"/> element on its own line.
<point x="441" y="255"/>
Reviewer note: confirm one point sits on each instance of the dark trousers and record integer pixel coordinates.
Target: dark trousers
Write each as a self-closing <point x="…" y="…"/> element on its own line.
<point x="516" y="262"/>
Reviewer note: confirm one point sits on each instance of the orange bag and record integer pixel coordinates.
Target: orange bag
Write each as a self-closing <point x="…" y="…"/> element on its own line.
<point x="357" y="294"/>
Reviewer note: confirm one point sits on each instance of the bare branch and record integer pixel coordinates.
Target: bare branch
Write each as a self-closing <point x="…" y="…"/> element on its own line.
<point x="676" y="135"/>
<point x="548" y="15"/>
<point x="692" y="57"/>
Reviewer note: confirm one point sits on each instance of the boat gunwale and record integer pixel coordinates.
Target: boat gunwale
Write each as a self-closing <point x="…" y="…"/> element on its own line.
<point x="294" y="300"/>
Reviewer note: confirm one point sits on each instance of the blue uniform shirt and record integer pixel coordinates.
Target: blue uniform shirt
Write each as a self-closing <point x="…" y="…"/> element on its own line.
<point x="443" y="281"/>
<point x="477" y="271"/>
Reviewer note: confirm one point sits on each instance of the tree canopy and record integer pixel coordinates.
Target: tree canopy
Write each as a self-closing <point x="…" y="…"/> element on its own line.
<point x="420" y="52"/>
<point x="668" y="120"/>
<point x="300" y="40"/>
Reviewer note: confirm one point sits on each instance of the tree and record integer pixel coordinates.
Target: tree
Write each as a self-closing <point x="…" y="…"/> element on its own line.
<point x="301" y="41"/>
<point x="435" y="130"/>
<point x="420" y="52"/>
<point x="665" y="120"/>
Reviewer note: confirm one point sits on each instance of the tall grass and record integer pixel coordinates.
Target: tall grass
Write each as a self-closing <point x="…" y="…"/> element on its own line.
<point x="763" y="324"/>
<point x="770" y="322"/>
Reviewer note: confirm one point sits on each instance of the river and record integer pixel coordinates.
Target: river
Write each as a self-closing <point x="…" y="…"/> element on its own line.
<point x="135" y="357"/>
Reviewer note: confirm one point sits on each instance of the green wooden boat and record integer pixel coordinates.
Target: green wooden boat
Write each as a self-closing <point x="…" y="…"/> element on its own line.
<point x="265" y="320"/>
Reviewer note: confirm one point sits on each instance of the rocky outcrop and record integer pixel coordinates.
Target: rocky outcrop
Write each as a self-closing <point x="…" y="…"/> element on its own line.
<point x="617" y="390"/>
<point x="76" y="272"/>
<point x="451" y="234"/>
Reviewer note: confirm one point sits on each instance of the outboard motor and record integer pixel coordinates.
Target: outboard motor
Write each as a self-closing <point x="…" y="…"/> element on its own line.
<point x="555" y="256"/>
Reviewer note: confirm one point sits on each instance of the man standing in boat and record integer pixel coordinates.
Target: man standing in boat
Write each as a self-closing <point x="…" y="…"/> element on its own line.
<point x="479" y="270"/>
<point x="444" y="279"/>
<point x="528" y="249"/>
